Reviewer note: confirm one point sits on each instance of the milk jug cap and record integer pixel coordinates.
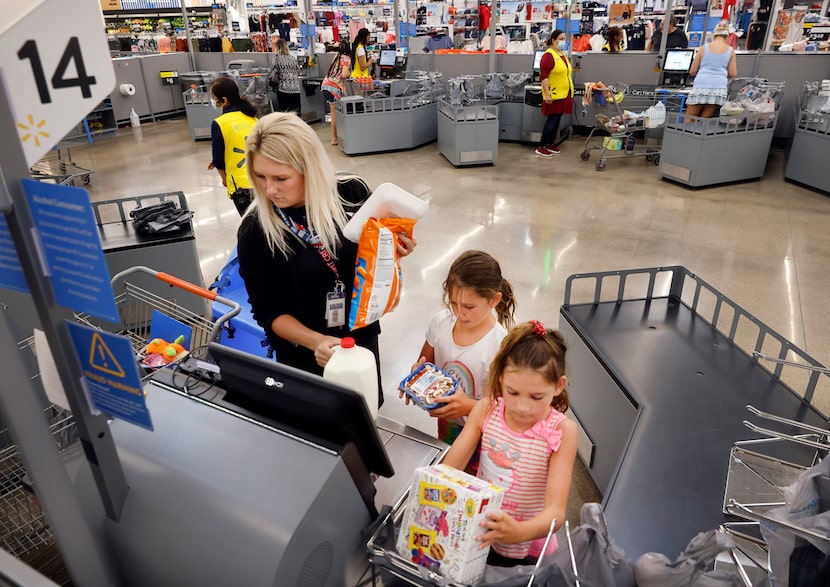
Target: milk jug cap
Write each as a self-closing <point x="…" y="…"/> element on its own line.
<point x="347" y="342"/>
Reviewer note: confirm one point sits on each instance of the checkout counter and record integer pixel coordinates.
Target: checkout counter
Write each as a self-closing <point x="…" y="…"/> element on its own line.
<point x="255" y="474"/>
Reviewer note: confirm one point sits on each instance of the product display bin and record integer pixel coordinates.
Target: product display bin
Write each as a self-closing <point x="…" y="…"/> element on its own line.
<point x="172" y="252"/>
<point x="469" y="134"/>
<point x="665" y="365"/>
<point x="701" y="152"/>
<point x="811" y="142"/>
<point x="385" y="124"/>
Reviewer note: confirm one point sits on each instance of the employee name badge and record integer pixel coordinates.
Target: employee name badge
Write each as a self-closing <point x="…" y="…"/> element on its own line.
<point x="336" y="306"/>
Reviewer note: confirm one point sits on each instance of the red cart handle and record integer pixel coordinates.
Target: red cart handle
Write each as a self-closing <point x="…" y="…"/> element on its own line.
<point x="186" y="285"/>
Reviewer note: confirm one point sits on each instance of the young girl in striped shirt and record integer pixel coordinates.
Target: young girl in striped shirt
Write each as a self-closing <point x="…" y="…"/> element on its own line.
<point x="528" y="446"/>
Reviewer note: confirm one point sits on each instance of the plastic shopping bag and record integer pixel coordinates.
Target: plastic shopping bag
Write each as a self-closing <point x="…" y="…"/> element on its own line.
<point x="803" y="509"/>
<point x="693" y="567"/>
<point x="377" y="276"/>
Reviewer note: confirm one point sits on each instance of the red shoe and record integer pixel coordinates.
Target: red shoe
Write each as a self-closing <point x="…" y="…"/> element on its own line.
<point x="553" y="149"/>
<point x="543" y="152"/>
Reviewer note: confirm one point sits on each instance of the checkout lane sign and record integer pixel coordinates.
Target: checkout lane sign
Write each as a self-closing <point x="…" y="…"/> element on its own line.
<point x="56" y="67"/>
<point x="111" y="377"/>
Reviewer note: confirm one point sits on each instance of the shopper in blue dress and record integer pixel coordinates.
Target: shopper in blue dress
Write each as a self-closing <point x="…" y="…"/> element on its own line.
<point x="713" y="65"/>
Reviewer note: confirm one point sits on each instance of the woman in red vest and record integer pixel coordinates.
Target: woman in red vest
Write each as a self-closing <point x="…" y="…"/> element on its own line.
<point x="557" y="91"/>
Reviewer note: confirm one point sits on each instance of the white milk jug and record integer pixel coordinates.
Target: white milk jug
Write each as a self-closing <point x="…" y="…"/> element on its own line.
<point x="354" y="367"/>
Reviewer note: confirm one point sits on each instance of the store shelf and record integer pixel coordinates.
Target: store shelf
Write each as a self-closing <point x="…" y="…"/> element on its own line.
<point x="97" y="125"/>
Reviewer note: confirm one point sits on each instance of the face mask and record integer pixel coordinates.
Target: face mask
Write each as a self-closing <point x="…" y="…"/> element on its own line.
<point x="214" y="105"/>
<point x="562" y="44"/>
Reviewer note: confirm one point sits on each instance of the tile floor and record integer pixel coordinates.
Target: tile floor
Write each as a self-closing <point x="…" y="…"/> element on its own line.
<point x="764" y="243"/>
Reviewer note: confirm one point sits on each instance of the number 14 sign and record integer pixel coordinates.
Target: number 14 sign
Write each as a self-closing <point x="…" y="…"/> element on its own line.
<point x="56" y="67"/>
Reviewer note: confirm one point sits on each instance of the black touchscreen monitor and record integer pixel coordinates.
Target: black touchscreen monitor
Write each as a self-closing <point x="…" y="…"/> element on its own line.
<point x="303" y="401"/>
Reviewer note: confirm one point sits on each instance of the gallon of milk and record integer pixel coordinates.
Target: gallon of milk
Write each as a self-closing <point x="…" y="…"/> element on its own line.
<point x="354" y="367"/>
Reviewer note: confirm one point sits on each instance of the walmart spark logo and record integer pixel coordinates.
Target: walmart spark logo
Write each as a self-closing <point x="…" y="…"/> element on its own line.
<point x="31" y="130"/>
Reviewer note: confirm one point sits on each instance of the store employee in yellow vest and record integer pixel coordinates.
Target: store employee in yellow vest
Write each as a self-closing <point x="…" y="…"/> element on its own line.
<point x="557" y="91"/>
<point x="228" y="133"/>
<point x="361" y="61"/>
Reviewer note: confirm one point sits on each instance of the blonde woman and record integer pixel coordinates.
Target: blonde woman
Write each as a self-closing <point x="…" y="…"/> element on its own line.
<point x="713" y="65"/>
<point x="292" y="255"/>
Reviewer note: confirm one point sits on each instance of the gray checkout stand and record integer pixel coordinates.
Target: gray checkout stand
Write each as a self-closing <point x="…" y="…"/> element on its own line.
<point x="231" y="490"/>
<point x="173" y="252"/>
<point x="662" y="368"/>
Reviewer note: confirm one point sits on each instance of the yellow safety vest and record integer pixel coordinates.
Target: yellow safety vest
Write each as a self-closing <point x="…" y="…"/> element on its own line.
<point x="560" y="80"/>
<point x="235" y="127"/>
<point x="357" y="72"/>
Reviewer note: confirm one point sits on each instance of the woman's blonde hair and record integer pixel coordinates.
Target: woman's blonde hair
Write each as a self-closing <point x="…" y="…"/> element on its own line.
<point x="285" y="138"/>
<point x="281" y="47"/>
<point x="722" y="29"/>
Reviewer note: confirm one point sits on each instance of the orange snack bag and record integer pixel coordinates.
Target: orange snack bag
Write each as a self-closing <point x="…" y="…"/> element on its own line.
<point x="377" y="276"/>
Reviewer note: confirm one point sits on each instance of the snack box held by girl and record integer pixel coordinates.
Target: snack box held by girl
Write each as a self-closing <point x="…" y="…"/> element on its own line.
<point x="442" y="520"/>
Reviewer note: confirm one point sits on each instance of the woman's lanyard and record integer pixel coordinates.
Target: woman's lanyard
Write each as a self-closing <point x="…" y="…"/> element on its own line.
<point x="335" y="299"/>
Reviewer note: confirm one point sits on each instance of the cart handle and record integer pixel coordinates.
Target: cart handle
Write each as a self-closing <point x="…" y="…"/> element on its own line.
<point x="192" y="288"/>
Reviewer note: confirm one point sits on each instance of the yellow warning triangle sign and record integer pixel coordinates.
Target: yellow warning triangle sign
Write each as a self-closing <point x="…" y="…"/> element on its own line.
<point x="101" y="358"/>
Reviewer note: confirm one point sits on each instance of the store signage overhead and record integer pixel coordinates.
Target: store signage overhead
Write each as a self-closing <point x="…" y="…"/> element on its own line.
<point x="54" y="74"/>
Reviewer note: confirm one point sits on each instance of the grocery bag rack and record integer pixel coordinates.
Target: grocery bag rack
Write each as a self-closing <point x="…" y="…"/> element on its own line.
<point x="758" y="477"/>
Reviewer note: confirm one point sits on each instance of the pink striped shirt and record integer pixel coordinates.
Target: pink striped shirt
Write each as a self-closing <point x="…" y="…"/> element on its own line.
<point x="519" y="462"/>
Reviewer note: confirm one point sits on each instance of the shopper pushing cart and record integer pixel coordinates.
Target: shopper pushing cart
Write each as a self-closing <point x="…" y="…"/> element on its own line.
<point x="633" y="121"/>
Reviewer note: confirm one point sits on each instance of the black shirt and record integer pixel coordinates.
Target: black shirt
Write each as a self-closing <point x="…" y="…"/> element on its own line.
<point x="298" y="285"/>
<point x="676" y="40"/>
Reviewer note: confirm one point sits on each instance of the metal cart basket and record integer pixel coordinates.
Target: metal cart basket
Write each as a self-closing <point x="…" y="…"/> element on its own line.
<point x="623" y="113"/>
<point x="136" y="306"/>
<point x="24" y="529"/>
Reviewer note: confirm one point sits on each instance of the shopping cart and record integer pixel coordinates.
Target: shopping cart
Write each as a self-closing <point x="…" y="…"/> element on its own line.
<point x="57" y="165"/>
<point x="136" y="306"/>
<point x="633" y="121"/>
<point x="24" y="529"/>
<point x="383" y="555"/>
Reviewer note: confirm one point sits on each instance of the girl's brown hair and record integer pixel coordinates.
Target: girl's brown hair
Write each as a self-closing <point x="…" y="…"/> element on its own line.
<point x="531" y="346"/>
<point x="480" y="272"/>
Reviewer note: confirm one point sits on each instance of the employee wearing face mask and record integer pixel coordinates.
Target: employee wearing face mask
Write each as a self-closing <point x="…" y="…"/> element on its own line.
<point x="228" y="133"/>
<point x="557" y="91"/>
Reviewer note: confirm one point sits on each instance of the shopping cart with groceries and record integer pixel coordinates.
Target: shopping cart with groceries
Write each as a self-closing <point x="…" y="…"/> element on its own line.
<point x="629" y="120"/>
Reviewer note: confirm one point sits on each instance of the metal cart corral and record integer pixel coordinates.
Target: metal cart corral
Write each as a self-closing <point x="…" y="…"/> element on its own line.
<point x="469" y="134"/>
<point x="701" y="152"/>
<point x="811" y="143"/>
<point x="661" y="366"/>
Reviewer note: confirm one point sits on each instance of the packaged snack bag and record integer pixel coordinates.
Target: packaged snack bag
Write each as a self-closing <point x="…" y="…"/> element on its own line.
<point x="377" y="277"/>
<point x="441" y="522"/>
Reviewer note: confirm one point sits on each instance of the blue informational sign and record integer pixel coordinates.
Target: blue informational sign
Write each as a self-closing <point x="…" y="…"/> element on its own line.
<point x="111" y="374"/>
<point x="72" y="248"/>
<point x="11" y="273"/>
